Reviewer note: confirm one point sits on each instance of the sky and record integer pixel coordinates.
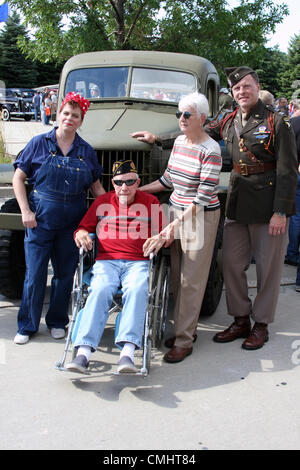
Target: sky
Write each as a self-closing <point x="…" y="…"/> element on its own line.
<point x="285" y="30"/>
<point x="288" y="28"/>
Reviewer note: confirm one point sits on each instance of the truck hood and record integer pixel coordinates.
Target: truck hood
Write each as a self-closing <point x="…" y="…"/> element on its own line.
<point x="111" y="128"/>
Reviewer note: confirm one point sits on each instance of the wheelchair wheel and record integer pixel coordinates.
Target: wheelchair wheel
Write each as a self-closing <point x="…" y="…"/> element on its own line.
<point x="78" y="299"/>
<point x="161" y="300"/>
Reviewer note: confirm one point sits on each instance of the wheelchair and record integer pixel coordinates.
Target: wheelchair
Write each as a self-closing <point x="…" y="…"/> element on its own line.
<point x="156" y="312"/>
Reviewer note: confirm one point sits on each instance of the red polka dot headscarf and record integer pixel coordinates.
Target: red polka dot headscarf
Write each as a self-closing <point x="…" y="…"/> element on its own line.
<point x="83" y="102"/>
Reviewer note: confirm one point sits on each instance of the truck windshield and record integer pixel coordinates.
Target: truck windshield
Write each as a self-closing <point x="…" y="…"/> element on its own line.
<point x="145" y="83"/>
<point x="162" y="85"/>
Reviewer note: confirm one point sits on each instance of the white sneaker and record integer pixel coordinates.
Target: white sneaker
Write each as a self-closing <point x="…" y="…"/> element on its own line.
<point x="57" y="333"/>
<point x="21" y="339"/>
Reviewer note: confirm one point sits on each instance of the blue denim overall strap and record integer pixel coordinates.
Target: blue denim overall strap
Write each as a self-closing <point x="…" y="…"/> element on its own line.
<point x="58" y="198"/>
<point x="63" y="178"/>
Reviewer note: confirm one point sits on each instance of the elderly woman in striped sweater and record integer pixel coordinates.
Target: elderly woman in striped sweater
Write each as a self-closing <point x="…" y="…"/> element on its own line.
<point x="193" y="175"/>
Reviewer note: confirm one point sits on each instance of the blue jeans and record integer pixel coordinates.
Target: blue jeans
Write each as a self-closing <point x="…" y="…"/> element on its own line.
<point x="108" y="275"/>
<point x="36" y="113"/>
<point x="294" y="230"/>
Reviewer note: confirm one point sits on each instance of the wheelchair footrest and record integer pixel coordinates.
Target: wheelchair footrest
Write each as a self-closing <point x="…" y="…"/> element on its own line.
<point x="141" y="372"/>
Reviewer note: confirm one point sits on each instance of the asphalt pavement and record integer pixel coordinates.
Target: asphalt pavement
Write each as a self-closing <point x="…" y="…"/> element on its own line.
<point x="219" y="398"/>
<point x="17" y="133"/>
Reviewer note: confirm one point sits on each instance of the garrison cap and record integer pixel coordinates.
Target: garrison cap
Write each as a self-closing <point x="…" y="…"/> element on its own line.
<point x="123" y="166"/>
<point x="235" y="74"/>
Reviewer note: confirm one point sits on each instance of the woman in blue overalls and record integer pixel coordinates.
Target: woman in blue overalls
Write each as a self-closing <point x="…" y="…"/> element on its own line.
<point x="61" y="167"/>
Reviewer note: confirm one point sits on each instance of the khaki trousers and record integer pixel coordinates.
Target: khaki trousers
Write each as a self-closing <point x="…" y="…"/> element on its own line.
<point x="240" y="242"/>
<point x="190" y="270"/>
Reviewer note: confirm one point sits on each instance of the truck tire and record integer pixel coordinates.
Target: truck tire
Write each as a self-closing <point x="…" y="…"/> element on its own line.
<point x="12" y="256"/>
<point x="214" y="284"/>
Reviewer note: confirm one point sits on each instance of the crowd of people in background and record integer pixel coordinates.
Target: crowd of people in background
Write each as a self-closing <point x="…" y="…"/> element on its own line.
<point x="292" y="112"/>
<point x="44" y="104"/>
<point x="281" y="104"/>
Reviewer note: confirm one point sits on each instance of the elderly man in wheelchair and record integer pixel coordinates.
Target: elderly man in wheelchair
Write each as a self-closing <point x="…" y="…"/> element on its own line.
<point x="123" y="221"/>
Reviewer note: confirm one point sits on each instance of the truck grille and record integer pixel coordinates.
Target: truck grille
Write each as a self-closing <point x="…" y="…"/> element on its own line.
<point x="141" y="159"/>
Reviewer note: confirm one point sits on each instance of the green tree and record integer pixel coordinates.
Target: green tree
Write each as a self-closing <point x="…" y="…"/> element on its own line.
<point x="290" y="78"/>
<point x="209" y="28"/>
<point x="47" y="73"/>
<point x="62" y="29"/>
<point x="15" y="69"/>
<point x="273" y="65"/>
<point x="226" y="37"/>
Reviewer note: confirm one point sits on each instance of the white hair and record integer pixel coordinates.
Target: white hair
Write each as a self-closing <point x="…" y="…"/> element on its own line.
<point x="296" y="103"/>
<point x="197" y="101"/>
<point x="266" y="97"/>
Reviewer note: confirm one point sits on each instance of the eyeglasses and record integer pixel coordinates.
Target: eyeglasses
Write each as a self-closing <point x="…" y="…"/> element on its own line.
<point x="127" y="182"/>
<point x="186" y="114"/>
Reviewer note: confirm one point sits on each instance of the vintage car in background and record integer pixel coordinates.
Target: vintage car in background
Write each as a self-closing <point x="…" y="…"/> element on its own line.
<point x="16" y="103"/>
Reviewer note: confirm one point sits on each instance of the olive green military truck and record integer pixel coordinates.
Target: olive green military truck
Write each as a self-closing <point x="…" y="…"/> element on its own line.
<point x="128" y="91"/>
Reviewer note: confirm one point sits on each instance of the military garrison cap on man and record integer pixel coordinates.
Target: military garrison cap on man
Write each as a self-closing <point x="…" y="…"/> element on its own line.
<point x="235" y="74"/>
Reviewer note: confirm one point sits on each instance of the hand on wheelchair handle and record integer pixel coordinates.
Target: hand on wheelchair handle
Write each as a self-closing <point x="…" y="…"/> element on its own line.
<point x="83" y="240"/>
<point x="153" y="245"/>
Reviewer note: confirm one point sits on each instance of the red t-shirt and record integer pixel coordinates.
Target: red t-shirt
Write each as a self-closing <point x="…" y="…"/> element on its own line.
<point x="122" y="230"/>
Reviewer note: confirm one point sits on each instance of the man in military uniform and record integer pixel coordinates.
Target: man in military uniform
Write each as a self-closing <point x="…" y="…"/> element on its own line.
<point x="260" y="198"/>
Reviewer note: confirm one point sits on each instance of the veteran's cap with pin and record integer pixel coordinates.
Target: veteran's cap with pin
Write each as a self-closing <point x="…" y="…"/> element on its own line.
<point x="123" y="166"/>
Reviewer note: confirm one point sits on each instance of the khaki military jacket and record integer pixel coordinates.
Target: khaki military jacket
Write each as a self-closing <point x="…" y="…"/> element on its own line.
<point x="268" y="136"/>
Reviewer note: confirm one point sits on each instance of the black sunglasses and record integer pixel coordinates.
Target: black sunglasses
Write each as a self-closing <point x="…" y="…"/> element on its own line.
<point x="186" y="114"/>
<point x="127" y="182"/>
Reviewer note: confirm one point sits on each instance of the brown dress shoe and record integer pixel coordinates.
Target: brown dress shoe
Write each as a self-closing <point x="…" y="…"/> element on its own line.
<point x="169" y="343"/>
<point x="240" y="328"/>
<point x="258" y="337"/>
<point x="177" y="354"/>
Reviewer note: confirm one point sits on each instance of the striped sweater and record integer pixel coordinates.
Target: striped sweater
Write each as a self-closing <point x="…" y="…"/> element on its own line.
<point x="193" y="173"/>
